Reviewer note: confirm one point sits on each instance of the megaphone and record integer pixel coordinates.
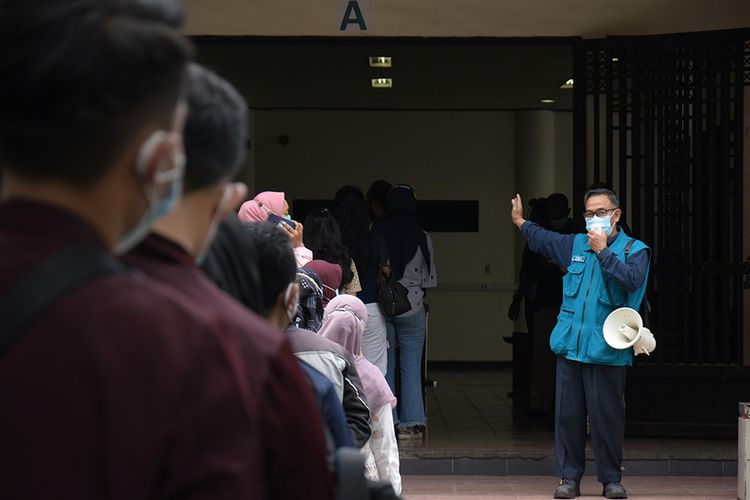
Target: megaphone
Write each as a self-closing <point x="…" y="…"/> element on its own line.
<point x="624" y="328"/>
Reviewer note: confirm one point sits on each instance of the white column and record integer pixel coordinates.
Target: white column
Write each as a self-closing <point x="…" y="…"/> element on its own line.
<point x="535" y="153"/>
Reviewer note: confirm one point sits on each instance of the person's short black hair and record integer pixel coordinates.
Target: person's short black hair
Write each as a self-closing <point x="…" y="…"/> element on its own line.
<point x="230" y="262"/>
<point x="558" y="200"/>
<point x="378" y="192"/>
<point x="215" y="130"/>
<point x="80" y="79"/>
<point x="613" y="198"/>
<point x="275" y="261"/>
<point x="348" y="194"/>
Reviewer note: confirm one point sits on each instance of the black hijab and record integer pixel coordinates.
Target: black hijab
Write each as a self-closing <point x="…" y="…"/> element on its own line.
<point x="230" y="263"/>
<point x="403" y="233"/>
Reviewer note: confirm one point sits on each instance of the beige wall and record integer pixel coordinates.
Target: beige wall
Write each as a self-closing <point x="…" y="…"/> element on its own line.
<point x="444" y="155"/>
<point x="468" y="18"/>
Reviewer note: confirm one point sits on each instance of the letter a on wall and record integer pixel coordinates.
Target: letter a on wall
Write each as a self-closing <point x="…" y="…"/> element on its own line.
<point x="352" y="14"/>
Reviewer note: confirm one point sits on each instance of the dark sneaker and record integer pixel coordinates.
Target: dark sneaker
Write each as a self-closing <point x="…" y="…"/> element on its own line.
<point x="614" y="490"/>
<point x="567" y="489"/>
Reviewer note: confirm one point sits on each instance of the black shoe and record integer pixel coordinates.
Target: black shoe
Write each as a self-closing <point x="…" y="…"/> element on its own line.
<point x="614" y="490"/>
<point x="567" y="489"/>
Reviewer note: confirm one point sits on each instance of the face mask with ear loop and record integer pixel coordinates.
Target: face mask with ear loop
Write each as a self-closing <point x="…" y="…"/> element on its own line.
<point x="334" y="290"/>
<point x="290" y="312"/>
<point x="157" y="208"/>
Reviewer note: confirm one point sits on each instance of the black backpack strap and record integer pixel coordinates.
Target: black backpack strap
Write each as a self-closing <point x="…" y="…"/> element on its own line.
<point x="46" y="283"/>
<point x="628" y="246"/>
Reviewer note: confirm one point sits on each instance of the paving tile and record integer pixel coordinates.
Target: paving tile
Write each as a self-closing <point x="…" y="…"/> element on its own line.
<point x="480" y="467"/>
<point x="430" y="467"/>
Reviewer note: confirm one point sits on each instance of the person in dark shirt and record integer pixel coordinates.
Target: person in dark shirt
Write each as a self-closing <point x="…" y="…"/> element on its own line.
<point x="279" y="304"/>
<point x="118" y="388"/>
<point x="289" y="461"/>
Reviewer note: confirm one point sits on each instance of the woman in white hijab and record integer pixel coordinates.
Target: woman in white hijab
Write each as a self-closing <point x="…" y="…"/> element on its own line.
<point x="344" y="321"/>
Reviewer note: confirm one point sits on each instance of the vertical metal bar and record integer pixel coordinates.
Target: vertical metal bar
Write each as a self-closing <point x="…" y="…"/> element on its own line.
<point x="635" y="149"/>
<point x="597" y="121"/>
<point x="648" y="181"/>
<point x="698" y="168"/>
<point x="725" y="194"/>
<point x="624" y="97"/>
<point x="608" y="117"/>
<point x="739" y="127"/>
<point x="580" y="166"/>
<point x="714" y="207"/>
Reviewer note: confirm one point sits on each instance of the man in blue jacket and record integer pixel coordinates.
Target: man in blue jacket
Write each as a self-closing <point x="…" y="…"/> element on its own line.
<point x="606" y="269"/>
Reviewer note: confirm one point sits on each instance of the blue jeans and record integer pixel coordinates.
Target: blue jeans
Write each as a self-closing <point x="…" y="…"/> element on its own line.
<point x="408" y="333"/>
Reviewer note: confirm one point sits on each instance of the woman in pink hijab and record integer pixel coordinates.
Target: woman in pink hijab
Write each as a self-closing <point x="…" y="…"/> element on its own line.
<point x="273" y="202"/>
<point x="344" y="321"/>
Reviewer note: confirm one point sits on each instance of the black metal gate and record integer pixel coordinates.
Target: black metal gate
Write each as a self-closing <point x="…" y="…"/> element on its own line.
<point x="660" y="119"/>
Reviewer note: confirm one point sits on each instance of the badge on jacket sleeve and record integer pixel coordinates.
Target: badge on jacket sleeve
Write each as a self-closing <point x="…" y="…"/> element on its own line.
<point x="579" y="258"/>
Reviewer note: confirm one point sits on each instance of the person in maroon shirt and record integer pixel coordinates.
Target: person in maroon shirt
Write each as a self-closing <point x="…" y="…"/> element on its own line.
<point x="277" y="398"/>
<point x="119" y="388"/>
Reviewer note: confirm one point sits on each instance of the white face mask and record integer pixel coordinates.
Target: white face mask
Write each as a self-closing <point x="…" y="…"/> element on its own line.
<point x="157" y="208"/>
<point x="604" y="223"/>
<point x="291" y="311"/>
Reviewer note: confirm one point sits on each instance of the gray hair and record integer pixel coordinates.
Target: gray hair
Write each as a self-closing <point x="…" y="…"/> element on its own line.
<point x="613" y="199"/>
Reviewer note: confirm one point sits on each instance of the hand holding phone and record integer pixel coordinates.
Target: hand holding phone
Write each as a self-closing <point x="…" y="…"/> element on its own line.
<point x="277" y="219"/>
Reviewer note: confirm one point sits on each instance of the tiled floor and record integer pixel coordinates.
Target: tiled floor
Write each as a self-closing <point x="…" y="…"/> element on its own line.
<point x="536" y="487"/>
<point x="469" y="413"/>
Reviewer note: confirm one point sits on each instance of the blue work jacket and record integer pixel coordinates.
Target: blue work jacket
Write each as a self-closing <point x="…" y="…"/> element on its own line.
<point x="586" y="302"/>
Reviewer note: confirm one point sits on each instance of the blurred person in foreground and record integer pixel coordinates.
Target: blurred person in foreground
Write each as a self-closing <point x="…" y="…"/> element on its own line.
<point x="288" y="459"/>
<point x="115" y="387"/>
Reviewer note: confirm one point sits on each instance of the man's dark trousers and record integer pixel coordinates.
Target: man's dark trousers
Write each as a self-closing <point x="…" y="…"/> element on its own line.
<point x="597" y="391"/>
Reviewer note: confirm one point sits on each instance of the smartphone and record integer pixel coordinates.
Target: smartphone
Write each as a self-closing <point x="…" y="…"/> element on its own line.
<point x="276" y="219"/>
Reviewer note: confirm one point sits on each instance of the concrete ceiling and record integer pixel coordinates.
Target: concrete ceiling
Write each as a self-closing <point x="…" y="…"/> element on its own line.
<point x="467" y="18"/>
<point x="336" y="76"/>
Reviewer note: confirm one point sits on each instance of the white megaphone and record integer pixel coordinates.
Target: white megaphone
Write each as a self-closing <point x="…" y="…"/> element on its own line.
<point x="624" y="328"/>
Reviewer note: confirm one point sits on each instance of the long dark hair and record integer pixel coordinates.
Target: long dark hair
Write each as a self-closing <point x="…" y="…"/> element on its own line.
<point x="323" y="237"/>
<point x="403" y="233"/>
<point x="354" y="221"/>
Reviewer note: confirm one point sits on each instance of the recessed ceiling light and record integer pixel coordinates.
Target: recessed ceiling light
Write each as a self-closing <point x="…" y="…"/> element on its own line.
<point x="615" y="59"/>
<point x="547" y="101"/>
<point x="382" y="83"/>
<point x="381" y="61"/>
<point x="568" y="84"/>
